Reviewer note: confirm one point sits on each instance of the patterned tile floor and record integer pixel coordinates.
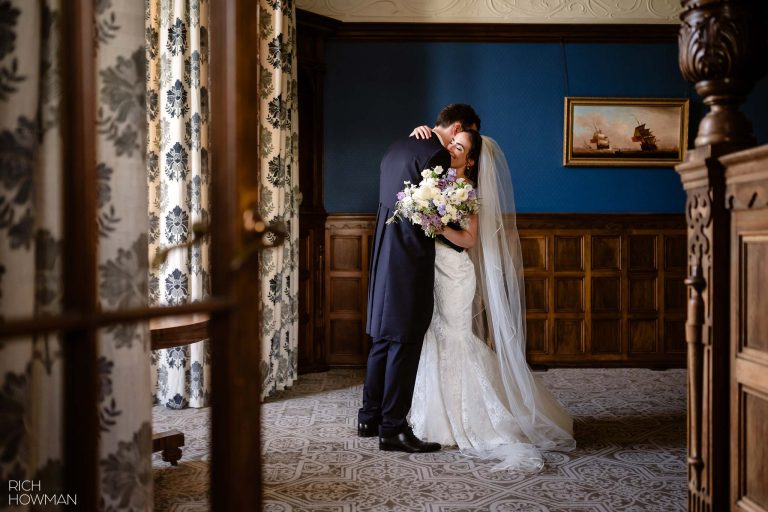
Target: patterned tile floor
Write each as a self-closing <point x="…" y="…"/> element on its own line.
<point x="630" y="428"/>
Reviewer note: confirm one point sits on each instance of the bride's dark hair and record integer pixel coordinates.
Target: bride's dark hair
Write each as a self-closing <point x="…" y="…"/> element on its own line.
<point x="476" y="144"/>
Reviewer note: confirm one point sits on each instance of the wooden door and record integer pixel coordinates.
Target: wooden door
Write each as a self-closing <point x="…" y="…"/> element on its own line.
<point x="234" y="319"/>
<point x="747" y="189"/>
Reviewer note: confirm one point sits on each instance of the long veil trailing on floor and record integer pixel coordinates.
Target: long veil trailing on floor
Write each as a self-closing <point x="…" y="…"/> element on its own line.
<point x="499" y="313"/>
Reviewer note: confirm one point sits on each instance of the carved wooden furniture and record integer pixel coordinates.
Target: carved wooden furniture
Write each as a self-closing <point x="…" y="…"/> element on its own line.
<point x="601" y="289"/>
<point x="746" y="176"/>
<point x="169" y="443"/>
<point x="707" y="327"/>
<point x="722" y="49"/>
<point x="170" y="332"/>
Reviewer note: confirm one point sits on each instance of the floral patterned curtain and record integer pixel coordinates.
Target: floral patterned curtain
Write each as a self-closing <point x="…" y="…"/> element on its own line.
<point x="279" y="197"/>
<point x="126" y="416"/>
<point x="30" y="248"/>
<point x="31" y="370"/>
<point x="177" y="52"/>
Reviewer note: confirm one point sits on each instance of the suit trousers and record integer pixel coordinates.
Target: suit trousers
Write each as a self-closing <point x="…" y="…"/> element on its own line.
<point x="389" y="382"/>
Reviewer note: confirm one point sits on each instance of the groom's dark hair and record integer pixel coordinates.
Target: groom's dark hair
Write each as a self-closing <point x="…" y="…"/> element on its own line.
<point x="460" y="112"/>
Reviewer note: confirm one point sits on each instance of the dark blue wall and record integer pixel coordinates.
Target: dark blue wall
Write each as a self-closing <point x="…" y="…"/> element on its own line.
<point x="377" y="92"/>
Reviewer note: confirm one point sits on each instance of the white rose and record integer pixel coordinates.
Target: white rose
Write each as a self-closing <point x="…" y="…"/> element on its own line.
<point x="425" y="173"/>
<point x="462" y="194"/>
<point x="427" y="191"/>
<point x="439" y="169"/>
<point x="420" y="194"/>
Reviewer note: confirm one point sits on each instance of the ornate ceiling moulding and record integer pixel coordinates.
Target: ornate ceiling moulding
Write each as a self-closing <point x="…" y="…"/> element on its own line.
<point x="507" y="32"/>
<point x="309" y="22"/>
<point x="498" y="11"/>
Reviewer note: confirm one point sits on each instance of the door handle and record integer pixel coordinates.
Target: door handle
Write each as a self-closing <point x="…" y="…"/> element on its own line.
<point x="257" y="236"/>
<point x="200" y="230"/>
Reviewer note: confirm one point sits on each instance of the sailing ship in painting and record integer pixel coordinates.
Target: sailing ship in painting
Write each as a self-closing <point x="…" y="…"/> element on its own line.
<point x="600" y="145"/>
<point x="600" y="139"/>
<point x="645" y="137"/>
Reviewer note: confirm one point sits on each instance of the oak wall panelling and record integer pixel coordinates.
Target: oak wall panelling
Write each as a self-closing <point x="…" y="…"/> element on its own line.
<point x="347" y="246"/>
<point x="596" y="288"/>
<point x="311" y="63"/>
<point x="601" y="289"/>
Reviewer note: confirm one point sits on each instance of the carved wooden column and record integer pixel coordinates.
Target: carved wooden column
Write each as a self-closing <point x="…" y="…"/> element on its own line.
<point x="707" y="329"/>
<point x="719" y="47"/>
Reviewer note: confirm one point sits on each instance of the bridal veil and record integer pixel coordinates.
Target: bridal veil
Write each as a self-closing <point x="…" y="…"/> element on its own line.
<point x="499" y="310"/>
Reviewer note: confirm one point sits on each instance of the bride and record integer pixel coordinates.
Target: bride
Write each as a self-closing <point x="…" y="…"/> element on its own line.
<point x="474" y="389"/>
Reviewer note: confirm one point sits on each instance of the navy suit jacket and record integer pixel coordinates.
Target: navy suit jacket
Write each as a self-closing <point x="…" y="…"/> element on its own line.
<point x="402" y="267"/>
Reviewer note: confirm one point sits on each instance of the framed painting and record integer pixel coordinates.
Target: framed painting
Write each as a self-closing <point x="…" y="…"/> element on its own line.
<point x="625" y="132"/>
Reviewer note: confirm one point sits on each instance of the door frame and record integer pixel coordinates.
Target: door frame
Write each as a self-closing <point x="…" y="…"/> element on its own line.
<point x="236" y="383"/>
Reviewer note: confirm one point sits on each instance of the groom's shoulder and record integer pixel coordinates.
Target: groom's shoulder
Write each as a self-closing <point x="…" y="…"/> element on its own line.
<point x="416" y="146"/>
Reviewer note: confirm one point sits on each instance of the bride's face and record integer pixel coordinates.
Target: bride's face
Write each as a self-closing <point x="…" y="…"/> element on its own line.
<point x="459" y="148"/>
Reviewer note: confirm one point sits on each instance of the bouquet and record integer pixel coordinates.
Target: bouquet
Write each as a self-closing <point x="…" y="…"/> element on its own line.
<point x="438" y="200"/>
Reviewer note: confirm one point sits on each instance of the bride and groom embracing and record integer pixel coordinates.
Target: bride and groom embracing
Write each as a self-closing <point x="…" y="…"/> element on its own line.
<point x="447" y="315"/>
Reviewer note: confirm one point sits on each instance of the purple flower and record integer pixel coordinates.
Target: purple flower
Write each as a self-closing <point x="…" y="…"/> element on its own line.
<point x="441" y="209"/>
<point x="400" y="196"/>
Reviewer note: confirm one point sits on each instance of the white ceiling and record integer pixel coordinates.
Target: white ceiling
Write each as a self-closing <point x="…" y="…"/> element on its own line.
<point x="497" y="11"/>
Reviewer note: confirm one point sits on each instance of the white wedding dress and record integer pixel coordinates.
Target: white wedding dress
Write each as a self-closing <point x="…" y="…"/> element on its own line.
<point x="462" y="397"/>
<point x="459" y="398"/>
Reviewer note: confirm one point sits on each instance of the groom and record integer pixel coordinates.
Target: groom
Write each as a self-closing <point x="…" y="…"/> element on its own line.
<point x="401" y="282"/>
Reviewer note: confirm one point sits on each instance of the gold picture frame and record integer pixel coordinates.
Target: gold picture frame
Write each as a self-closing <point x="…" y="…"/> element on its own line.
<point x="625" y="132"/>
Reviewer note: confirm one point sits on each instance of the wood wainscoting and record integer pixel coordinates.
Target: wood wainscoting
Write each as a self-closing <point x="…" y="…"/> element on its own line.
<point x="347" y="248"/>
<point x="601" y="289"/>
<point x="604" y="289"/>
<point x="310" y="41"/>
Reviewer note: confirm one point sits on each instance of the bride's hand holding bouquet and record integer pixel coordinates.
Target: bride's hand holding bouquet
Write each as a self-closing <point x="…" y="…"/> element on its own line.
<point x="439" y="199"/>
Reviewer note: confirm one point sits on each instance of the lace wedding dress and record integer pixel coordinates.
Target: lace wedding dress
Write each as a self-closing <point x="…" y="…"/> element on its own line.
<point x="485" y="401"/>
<point x="459" y="398"/>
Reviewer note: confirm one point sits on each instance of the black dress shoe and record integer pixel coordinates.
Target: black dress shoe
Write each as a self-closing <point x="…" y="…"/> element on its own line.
<point x="367" y="430"/>
<point x="406" y="441"/>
